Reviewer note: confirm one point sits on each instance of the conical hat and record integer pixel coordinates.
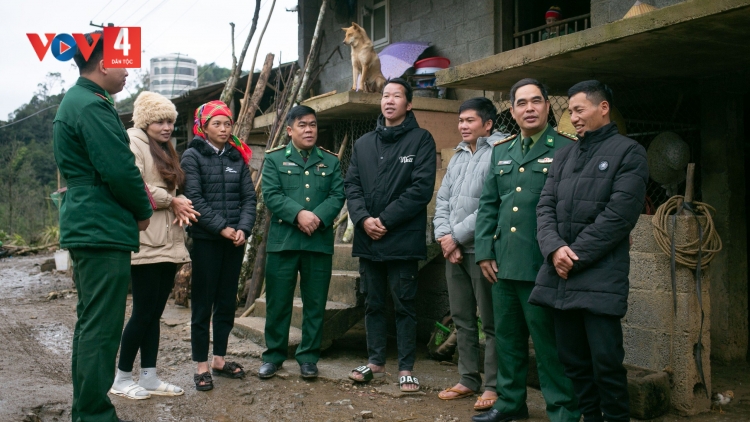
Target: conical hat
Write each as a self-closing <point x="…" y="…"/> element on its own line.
<point x="639" y="8"/>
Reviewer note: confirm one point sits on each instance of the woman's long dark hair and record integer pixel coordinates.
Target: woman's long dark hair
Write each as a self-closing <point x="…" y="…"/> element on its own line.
<point x="167" y="163"/>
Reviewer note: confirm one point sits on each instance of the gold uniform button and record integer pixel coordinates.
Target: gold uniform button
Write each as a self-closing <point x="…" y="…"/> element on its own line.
<point x="501" y="172"/>
<point x="518" y="189"/>
<point x="521" y="170"/>
<point x="307" y="173"/>
<point x="544" y="170"/>
<point x="513" y="229"/>
<point x="280" y="221"/>
<point x="494" y="237"/>
<point x="307" y="186"/>
<point x="515" y="209"/>
<point x="307" y="199"/>
<point x="324" y="173"/>
<point x="288" y="172"/>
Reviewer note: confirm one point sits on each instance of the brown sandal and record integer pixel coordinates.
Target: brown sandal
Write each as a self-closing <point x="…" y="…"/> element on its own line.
<point x="486" y="406"/>
<point x="459" y="394"/>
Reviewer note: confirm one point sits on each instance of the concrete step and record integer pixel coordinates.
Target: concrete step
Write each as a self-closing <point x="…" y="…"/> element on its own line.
<point x="336" y="315"/>
<point x="343" y="288"/>
<point x="343" y="259"/>
<point x="254" y="328"/>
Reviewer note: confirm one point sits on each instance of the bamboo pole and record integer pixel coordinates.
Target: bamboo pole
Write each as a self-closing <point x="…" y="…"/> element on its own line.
<point x="311" y="54"/>
<point x="245" y="120"/>
<point x="228" y="92"/>
<point x="243" y="102"/>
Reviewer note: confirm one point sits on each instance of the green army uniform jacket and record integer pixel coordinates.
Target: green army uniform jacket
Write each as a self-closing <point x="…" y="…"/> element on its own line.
<point x="106" y="196"/>
<point x="506" y="219"/>
<point x="291" y="185"/>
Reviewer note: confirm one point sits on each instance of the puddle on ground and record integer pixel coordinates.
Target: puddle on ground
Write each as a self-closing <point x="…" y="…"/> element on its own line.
<point x="56" y="337"/>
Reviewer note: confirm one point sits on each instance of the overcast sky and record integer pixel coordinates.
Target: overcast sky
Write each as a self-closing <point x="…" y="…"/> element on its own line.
<point x="196" y="28"/>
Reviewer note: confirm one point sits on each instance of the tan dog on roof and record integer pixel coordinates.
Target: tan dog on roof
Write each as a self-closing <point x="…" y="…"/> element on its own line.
<point x="365" y="61"/>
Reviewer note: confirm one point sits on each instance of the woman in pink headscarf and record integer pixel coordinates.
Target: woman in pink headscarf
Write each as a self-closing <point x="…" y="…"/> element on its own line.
<point x="217" y="180"/>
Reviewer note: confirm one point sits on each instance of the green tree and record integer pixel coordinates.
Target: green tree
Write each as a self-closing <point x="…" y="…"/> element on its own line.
<point x="211" y="73"/>
<point x="28" y="173"/>
<point x="140" y="81"/>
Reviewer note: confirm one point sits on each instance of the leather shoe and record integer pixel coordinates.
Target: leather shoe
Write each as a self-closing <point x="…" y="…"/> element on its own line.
<point x="268" y="370"/>
<point x="308" y="370"/>
<point x="495" y="415"/>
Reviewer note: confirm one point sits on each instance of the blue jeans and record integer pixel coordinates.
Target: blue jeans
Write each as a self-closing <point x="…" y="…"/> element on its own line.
<point x="376" y="278"/>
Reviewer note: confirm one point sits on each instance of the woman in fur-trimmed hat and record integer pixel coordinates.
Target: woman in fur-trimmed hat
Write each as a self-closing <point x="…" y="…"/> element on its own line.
<point x="162" y="246"/>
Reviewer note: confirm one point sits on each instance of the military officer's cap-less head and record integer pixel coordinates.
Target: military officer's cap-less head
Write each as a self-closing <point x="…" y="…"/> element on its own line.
<point x="110" y="79"/>
<point x="302" y="127"/>
<point x="589" y="103"/>
<point x="529" y="106"/>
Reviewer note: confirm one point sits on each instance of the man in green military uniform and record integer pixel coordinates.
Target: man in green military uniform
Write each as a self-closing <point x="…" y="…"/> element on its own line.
<point x="304" y="191"/>
<point x="508" y="253"/>
<point x="103" y="209"/>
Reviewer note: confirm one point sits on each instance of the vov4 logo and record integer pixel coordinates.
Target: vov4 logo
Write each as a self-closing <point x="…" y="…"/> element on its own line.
<point x="122" y="46"/>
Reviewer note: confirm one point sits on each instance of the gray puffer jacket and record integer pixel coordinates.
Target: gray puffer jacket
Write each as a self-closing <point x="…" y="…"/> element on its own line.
<point x="458" y="196"/>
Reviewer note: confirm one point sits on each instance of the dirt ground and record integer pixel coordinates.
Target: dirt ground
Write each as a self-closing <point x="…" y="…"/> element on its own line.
<point x="37" y="316"/>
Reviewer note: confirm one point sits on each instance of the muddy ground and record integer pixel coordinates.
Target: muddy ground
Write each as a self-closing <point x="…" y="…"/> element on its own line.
<point x="37" y="316"/>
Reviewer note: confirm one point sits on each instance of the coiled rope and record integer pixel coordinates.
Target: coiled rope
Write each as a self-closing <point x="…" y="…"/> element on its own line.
<point x="693" y="254"/>
<point x="687" y="253"/>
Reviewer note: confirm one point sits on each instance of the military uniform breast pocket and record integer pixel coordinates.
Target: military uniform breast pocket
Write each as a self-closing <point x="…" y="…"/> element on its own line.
<point x="323" y="178"/>
<point x="502" y="175"/>
<point x="538" y="177"/>
<point x="289" y="177"/>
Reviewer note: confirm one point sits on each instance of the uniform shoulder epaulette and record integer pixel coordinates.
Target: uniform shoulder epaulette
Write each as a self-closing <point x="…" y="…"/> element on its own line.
<point x="330" y="152"/>
<point x="502" y="141"/>
<point x="568" y="135"/>
<point x="275" y="149"/>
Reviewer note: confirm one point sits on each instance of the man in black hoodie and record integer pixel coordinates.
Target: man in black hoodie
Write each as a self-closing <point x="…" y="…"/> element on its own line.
<point x="591" y="200"/>
<point x="390" y="181"/>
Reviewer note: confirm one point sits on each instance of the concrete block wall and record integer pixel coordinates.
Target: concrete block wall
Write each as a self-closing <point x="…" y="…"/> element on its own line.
<point x="462" y="31"/>
<point x="655" y="337"/>
<point x="606" y="11"/>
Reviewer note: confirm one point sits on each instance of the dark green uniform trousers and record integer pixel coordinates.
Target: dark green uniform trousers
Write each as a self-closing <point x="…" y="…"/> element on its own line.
<point x="515" y="319"/>
<point x="314" y="269"/>
<point x="101" y="279"/>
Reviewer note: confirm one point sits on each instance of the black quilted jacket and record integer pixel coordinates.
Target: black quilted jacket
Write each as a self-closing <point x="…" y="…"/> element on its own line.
<point x="392" y="176"/>
<point x="591" y="201"/>
<point x="221" y="190"/>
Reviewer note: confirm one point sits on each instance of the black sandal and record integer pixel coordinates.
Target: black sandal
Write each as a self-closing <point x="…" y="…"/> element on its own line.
<point x="206" y="379"/>
<point x="229" y="370"/>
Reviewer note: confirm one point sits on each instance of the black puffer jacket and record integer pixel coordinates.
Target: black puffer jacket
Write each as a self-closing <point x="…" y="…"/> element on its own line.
<point x="392" y="176"/>
<point x="221" y="190"/>
<point x="591" y="201"/>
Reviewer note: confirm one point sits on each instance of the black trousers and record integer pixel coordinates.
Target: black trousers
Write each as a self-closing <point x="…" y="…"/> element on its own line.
<point x="399" y="278"/>
<point x="216" y="272"/>
<point x="152" y="284"/>
<point x="590" y="348"/>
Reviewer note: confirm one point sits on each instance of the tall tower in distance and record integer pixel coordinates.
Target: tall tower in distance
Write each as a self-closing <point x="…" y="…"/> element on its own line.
<point x="173" y="74"/>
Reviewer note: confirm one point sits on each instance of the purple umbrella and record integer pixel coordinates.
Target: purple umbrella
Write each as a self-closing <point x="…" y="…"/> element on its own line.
<point x="399" y="56"/>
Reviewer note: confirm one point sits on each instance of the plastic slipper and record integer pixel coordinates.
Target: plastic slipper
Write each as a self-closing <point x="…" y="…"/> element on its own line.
<point x="459" y="394"/>
<point x="130" y="392"/>
<point x="167" y="389"/>
<point x="408" y="379"/>
<point x="366" y="373"/>
<point x="486" y="406"/>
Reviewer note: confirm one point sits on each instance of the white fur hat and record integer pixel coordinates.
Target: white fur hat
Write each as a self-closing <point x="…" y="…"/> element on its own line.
<point x="151" y="107"/>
